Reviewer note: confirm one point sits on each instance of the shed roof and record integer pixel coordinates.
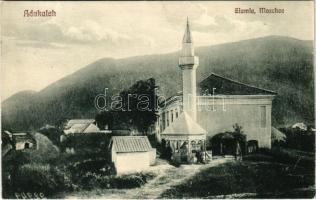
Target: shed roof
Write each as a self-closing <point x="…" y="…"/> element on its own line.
<point x="21" y="137"/>
<point x="125" y="144"/>
<point x="184" y="125"/>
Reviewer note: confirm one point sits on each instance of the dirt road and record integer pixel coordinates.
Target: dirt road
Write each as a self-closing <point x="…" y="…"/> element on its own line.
<point x="168" y="176"/>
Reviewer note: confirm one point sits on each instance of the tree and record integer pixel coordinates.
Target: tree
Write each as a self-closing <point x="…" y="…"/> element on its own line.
<point x="139" y="104"/>
<point x="227" y="142"/>
<point x="134" y="107"/>
<point x="104" y="120"/>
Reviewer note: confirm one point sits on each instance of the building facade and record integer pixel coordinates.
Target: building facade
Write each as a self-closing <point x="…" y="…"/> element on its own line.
<point x="131" y="153"/>
<point x="213" y="107"/>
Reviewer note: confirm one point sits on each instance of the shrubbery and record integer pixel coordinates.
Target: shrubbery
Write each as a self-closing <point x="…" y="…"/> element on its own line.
<point x="91" y="173"/>
<point x="87" y="174"/>
<point x="49" y="171"/>
<point x="261" y="178"/>
<point x="38" y="178"/>
<point x="81" y="168"/>
<point x="87" y="143"/>
<point x="290" y="156"/>
<point x="228" y="139"/>
<point x="299" y="139"/>
<point x="94" y="180"/>
<point x="52" y="133"/>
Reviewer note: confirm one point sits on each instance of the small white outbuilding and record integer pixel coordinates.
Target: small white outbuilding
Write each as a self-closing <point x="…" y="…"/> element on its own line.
<point x="131" y="153"/>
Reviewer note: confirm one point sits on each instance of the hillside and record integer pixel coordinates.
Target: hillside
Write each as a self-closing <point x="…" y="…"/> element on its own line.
<point x="281" y="64"/>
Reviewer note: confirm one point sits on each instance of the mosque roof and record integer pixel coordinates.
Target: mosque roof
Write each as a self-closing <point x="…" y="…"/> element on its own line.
<point x="226" y="86"/>
<point x="184" y="125"/>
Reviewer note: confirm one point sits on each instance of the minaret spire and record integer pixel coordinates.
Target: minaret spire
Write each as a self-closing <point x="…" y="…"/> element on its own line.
<point x="187" y="42"/>
<point x="188" y="63"/>
<point x="187" y="34"/>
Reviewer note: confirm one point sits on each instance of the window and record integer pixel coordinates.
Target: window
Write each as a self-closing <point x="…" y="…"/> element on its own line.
<point x="176" y="113"/>
<point x="163" y="121"/>
<point x="171" y="115"/>
<point x="167" y="118"/>
<point x="263" y="113"/>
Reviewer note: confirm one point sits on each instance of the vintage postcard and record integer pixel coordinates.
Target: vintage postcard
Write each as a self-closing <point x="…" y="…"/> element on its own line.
<point x="157" y="100"/>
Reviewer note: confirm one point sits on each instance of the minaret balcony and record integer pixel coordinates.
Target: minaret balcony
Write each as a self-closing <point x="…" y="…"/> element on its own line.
<point x="188" y="62"/>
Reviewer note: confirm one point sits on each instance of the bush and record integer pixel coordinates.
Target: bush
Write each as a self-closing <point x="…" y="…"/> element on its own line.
<point x="47" y="151"/>
<point x="153" y="140"/>
<point x="299" y="139"/>
<point x="242" y="177"/>
<point x="258" y="157"/>
<point x="92" y="180"/>
<point x="52" y="133"/>
<point x="41" y="178"/>
<point x="290" y="156"/>
<point x="98" y="167"/>
<point x="92" y="142"/>
<point x="175" y="162"/>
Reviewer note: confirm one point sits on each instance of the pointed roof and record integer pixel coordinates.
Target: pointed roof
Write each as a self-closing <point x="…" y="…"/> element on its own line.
<point x="187" y="38"/>
<point x="226" y="86"/>
<point x="184" y="125"/>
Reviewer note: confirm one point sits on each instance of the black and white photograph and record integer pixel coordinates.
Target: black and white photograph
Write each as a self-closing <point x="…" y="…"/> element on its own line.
<point x="157" y="100"/>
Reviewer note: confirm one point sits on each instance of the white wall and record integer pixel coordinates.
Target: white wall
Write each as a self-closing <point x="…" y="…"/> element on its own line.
<point x="242" y="109"/>
<point x="152" y="156"/>
<point x="131" y="162"/>
<point x="21" y="145"/>
<point x="245" y="112"/>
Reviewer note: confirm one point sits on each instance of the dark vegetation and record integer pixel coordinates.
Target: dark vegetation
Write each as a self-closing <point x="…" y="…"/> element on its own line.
<point x="226" y="143"/>
<point x="276" y="63"/>
<point x="87" y="143"/>
<point x="52" y="133"/>
<point x="51" y="170"/>
<point x="299" y="139"/>
<point x="285" y="171"/>
<point x="135" y="108"/>
<point x="267" y="174"/>
<point x="79" y="161"/>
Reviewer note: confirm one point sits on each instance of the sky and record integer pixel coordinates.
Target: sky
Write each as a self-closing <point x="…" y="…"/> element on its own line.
<point x="37" y="51"/>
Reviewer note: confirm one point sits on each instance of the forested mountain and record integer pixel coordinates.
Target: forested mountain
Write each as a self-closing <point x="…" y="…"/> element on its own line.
<point x="281" y="64"/>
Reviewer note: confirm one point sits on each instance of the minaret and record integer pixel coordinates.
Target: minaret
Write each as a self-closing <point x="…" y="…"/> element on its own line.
<point x="188" y="64"/>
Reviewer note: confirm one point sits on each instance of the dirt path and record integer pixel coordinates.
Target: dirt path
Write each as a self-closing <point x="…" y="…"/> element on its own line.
<point x="168" y="176"/>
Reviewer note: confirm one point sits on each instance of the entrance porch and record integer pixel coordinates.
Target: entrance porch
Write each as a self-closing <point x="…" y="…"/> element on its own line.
<point x="185" y="140"/>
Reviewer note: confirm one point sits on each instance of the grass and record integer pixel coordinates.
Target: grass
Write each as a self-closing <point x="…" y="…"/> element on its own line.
<point x="50" y="171"/>
<point x="258" y="176"/>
